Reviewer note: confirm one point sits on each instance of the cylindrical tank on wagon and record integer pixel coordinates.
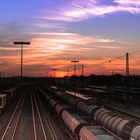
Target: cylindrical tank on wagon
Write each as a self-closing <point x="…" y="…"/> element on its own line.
<point x="110" y="122"/>
<point x="52" y="103"/>
<point x="115" y="124"/>
<point x="92" y="109"/>
<point x="71" y="120"/>
<point x="127" y="129"/>
<point x="119" y="128"/>
<point x="97" y="113"/>
<point x="103" y="118"/>
<point x="135" y="134"/>
<point x="101" y="114"/>
<point x="106" y="120"/>
<point x="86" y="134"/>
<point x="58" y="108"/>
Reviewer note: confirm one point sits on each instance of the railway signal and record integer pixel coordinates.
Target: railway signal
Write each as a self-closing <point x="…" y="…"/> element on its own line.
<point x="21" y="43"/>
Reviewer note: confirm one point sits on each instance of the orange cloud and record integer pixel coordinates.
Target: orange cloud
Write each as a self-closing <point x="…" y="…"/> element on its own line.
<point x="56" y="50"/>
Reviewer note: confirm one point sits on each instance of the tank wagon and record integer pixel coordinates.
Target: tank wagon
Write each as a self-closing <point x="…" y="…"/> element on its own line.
<point x="135" y="134"/>
<point x="120" y="126"/>
<point x="77" y="125"/>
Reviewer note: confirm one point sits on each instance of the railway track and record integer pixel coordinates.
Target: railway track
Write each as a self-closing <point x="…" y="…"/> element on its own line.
<point x="11" y="128"/>
<point x="47" y="120"/>
<point x="31" y="120"/>
<point x="39" y="130"/>
<point x="43" y="128"/>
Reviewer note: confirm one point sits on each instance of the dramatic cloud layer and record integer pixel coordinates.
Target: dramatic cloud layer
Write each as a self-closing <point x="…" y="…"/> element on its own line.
<point x="128" y="2"/>
<point x="56" y="50"/>
<point x="76" y="10"/>
<point x="91" y="31"/>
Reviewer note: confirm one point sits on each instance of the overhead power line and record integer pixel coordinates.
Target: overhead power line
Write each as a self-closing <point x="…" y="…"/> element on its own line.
<point x="127" y="60"/>
<point x="123" y="56"/>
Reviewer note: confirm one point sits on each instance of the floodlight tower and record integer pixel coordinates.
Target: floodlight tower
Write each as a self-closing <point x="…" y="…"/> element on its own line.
<point x="21" y="43"/>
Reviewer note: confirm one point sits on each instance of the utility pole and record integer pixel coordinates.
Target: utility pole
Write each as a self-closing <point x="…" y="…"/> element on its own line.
<point x="0" y="76"/>
<point x="68" y="72"/>
<point x="54" y="80"/>
<point x="127" y="64"/>
<point x="21" y="70"/>
<point x="127" y="69"/>
<point x="54" y="71"/>
<point x="82" y="70"/>
<point x="75" y="61"/>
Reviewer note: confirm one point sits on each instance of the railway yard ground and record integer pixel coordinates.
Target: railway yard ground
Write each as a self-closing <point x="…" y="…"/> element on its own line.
<point x="27" y="118"/>
<point x="38" y="112"/>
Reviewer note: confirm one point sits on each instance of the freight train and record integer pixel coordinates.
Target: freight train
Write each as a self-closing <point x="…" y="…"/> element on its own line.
<point x="80" y="128"/>
<point x="122" y="127"/>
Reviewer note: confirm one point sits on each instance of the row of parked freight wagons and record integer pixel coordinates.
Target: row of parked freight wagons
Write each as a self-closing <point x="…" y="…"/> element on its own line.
<point x="125" y="128"/>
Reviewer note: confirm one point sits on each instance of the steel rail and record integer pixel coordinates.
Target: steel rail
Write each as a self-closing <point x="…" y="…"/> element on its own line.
<point x="12" y="117"/>
<point x="48" y="122"/>
<point x="41" y="122"/>
<point x="13" y="136"/>
<point x="33" y="118"/>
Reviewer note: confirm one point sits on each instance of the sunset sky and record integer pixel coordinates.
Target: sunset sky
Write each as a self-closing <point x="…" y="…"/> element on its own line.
<point x="91" y="31"/>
